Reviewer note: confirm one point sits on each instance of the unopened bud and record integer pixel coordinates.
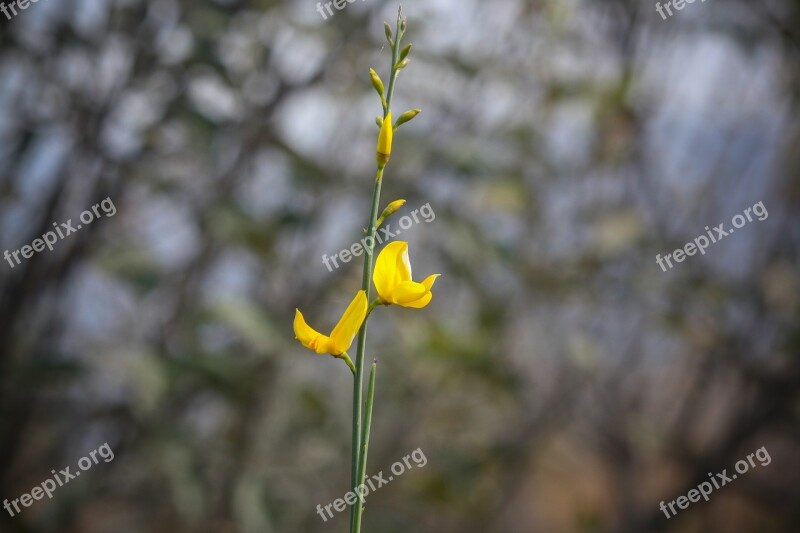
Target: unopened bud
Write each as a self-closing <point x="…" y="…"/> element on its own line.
<point x="392" y="208"/>
<point x="405" y="117"/>
<point x="389" y="211"/>
<point x="379" y="121"/>
<point x="404" y="52"/>
<point x="384" y="150"/>
<point x="402" y="64"/>
<point x="388" y="31"/>
<point x="376" y="81"/>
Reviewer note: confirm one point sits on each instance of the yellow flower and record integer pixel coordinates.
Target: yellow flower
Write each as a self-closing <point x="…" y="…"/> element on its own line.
<point x="393" y="282"/>
<point x="342" y="335"/>
<point x="385" y="141"/>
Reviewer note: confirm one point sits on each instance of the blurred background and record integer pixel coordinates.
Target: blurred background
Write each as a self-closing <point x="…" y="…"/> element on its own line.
<point x="559" y="380"/>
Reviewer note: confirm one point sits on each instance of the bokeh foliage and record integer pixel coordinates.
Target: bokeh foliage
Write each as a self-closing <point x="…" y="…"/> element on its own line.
<point x="559" y="381"/>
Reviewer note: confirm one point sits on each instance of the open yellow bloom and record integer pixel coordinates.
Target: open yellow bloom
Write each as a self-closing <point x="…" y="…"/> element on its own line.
<point x="342" y="335"/>
<point x="393" y="281"/>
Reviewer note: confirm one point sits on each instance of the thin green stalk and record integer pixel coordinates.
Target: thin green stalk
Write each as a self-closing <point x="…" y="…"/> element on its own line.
<point x="362" y="337"/>
<point x="395" y="57"/>
<point x="362" y="465"/>
<point x="356" y="460"/>
<point x="349" y="362"/>
<point x="362" y="333"/>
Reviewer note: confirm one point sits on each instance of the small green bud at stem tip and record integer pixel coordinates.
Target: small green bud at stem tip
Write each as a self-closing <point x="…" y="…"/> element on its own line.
<point x="388" y="30"/>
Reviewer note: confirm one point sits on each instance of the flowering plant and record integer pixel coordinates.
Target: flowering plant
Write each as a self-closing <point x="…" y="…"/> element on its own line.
<point x="391" y="276"/>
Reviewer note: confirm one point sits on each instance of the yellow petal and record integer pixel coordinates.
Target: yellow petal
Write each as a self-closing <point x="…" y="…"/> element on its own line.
<point x="428" y="282"/>
<point x="408" y="291"/>
<point x="426" y="299"/>
<point x="308" y="336"/>
<point x="323" y="344"/>
<point x="349" y="324"/>
<point x="403" y="264"/>
<point x="422" y="302"/>
<point x="391" y="268"/>
<point x="303" y="332"/>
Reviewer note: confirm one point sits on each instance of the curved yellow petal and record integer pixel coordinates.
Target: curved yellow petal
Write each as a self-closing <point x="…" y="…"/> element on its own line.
<point x="428" y="282"/>
<point x="391" y="268"/>
<point x="426" y="298"/>
<point x="302" y="331"/>
<point x="342" y="335"/>
<point x="422" y="302"/>
<point x="408" y="291"/>
<point x="404" y="265"/>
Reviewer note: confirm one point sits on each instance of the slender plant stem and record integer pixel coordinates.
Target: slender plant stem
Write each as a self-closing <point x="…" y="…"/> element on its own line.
<point x="349" y="362"/>
<point x="362" y="341"/>
<point x="362" y="465"/>
<point x="369" y="251"/>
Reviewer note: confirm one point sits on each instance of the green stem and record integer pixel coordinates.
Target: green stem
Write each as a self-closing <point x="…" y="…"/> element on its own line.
<point x="395" y="56"/>
<point x="375" y="303"/>
<point x="362" y="464"/>
<point x="362" y="341"/>
<point x="348" y="361"/>
<point x="355" y="510"/>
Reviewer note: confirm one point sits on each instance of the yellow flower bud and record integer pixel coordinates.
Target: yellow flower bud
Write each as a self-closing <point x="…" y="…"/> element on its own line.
<point x="392" y="208"/>
<point x="384" y="150"/>
<point x="389" y="211"/>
